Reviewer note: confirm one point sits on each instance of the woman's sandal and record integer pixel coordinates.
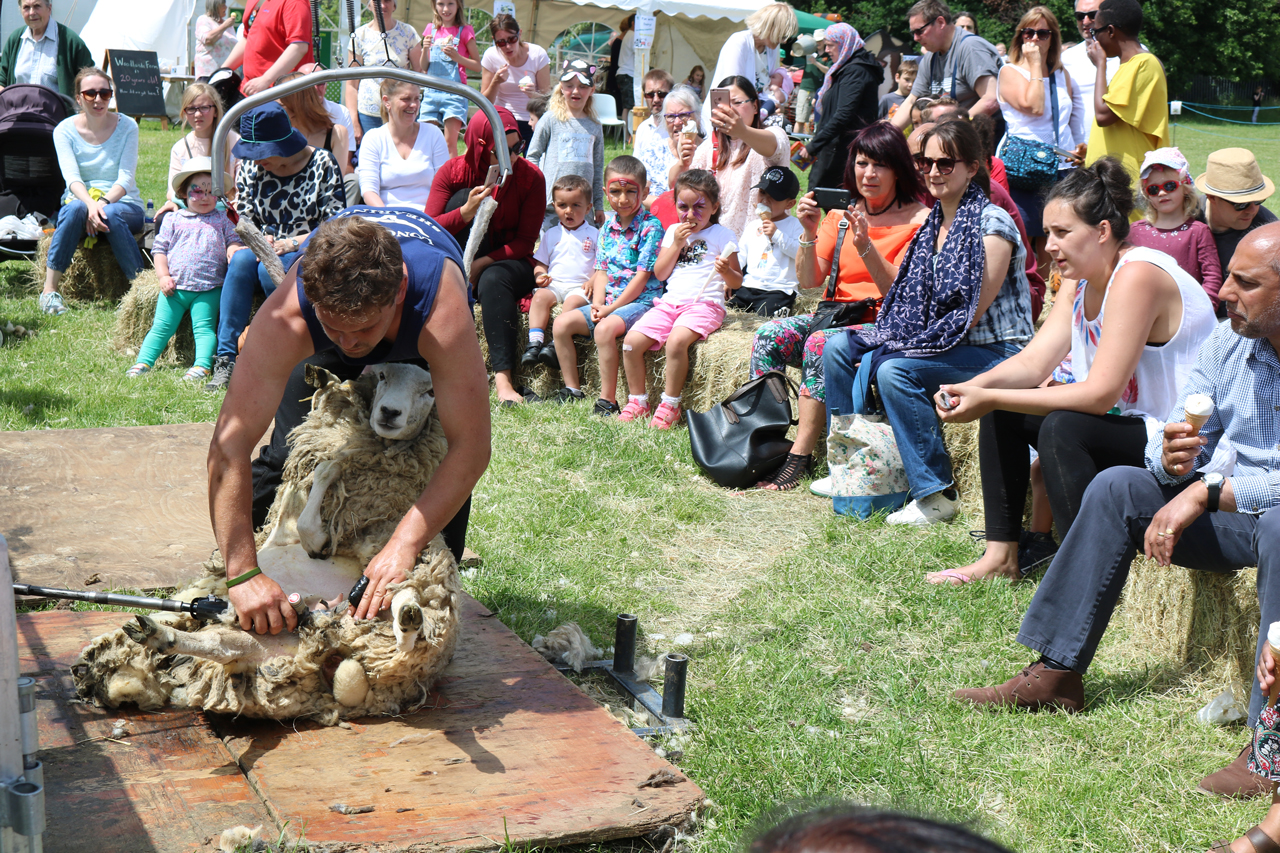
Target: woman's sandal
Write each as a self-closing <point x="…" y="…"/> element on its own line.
<point x="949" y="575"/>
<point x="788" y="476"/>
<point x="1262" y="843"/>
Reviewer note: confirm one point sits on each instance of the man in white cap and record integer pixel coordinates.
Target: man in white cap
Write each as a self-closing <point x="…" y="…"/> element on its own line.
<point x="1235" y="189"/>
<point x="810" y="81"/>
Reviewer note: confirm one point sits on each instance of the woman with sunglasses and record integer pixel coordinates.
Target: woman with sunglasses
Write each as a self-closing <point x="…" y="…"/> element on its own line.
<point x="201" y="111"/>
<point x="1041" y="104"/>
<point x="739" y="152"/>
<point x="1132" y="322"/>
<point x="512" y="71"/>
<point x="98" y="156"/>
<point x="960" y="304"/>
<point x="502" y="272"/>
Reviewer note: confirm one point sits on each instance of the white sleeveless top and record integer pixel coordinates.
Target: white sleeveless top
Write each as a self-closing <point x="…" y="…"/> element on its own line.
<point x="1162" y="370"/>
<point x="1040" y="128"/>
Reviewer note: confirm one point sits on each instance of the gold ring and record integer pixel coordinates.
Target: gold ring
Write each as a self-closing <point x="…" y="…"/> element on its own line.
<point x="1162" y="535"/>
<point x="1168" y="531"/>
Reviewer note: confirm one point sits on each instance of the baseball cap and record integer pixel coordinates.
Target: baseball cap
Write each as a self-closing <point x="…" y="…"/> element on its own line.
<point x="1170" y="158"/>
<point x="779" y="184"/>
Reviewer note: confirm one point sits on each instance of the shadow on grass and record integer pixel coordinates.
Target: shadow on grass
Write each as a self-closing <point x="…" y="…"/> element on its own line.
<point x="41" y="402"/>
<point x="15" y="279"/>
<point x="1136" y="684"/>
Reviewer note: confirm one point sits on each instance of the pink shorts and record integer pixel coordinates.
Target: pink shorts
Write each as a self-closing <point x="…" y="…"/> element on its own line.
<point x="658" y="322"/>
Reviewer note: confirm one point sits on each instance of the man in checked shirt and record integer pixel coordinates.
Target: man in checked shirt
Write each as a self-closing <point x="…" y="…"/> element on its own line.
<point x="1179" y="509"/>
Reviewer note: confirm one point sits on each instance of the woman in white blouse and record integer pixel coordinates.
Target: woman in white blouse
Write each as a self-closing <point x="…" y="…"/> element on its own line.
<point x="399" y="159"/>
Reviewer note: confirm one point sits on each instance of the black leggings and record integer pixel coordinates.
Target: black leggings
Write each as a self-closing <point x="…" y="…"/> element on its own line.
<point x="501" y="287"/>
<point x="293" y="410"/>
<point x="1073" y="448"/>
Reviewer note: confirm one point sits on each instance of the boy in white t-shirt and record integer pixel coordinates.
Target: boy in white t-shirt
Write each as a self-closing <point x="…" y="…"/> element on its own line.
<point x="767" y="249"/>
<point x="563" y="262"/>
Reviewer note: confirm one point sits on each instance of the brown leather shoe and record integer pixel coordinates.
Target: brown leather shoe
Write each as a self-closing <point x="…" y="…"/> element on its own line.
<point x="1235" y="780"/>
<point x="1035" y="688"/>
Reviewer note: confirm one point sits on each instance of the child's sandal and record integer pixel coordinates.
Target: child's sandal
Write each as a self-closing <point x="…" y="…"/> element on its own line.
<point x="195" y="374"/>
<point x="665" y="417"/>
<point x="788" y="476"/>
<point x="137" y="370"/>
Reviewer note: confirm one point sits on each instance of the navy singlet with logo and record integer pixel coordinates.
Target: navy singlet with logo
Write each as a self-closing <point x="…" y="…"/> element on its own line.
<point x="425" y="246"/>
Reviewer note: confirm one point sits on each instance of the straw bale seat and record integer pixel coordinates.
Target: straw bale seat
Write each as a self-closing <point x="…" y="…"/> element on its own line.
<point x="94" y="273"/>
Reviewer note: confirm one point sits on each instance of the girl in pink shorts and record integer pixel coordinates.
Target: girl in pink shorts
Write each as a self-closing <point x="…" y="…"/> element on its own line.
<point x="695" y="253"/>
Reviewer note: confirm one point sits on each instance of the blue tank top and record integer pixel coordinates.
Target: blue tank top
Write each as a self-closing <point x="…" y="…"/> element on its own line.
<point x="425" y="246"/>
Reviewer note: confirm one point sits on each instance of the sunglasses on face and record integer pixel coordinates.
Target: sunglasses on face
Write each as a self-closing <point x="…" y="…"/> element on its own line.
<point x="1031" y="33"/>
<point x="1080" y="16"/>
<point x="516" y="147"/>
<point x="1239" y="206"/>
<point x="946" y="165"/>
<point x="920" y="29"/>
<point x="658" y="95"/>
<point x="1093" y="31"/>
<point x="1156" y="189"/>
<point x="506" y="42"/>
<point x="95" y="94"/>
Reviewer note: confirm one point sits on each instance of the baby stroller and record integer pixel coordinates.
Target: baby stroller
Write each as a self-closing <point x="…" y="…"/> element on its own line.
<point x="30" y="180"/>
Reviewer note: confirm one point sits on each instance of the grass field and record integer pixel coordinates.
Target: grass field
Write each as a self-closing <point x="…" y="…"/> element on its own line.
<point x="822" y="665"/>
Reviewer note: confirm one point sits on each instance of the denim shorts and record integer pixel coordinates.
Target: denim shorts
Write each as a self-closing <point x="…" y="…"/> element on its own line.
<point x="629" y="314"/>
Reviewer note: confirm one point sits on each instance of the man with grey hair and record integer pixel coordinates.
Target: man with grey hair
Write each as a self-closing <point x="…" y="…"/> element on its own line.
<point x="44" y="52"/>
<point x="1208" y="499"/>
<point x="957" y="63"/>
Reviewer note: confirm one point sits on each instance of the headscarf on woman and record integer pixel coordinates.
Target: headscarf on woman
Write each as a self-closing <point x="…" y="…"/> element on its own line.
<point x="846" y="40"/>
<point x="480" y="142"/>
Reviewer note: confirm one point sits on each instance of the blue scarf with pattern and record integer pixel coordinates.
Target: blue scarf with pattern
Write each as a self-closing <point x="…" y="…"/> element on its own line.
<point x="930" y="306"/>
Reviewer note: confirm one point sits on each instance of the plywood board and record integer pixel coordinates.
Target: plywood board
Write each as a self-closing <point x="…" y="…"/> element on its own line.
<point x="168" y="785"/>
<point x="506" y="748"/>
<point x="129" y="505"/>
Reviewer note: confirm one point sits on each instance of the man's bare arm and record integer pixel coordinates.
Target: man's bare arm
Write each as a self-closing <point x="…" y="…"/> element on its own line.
<point x="279" y="341"/>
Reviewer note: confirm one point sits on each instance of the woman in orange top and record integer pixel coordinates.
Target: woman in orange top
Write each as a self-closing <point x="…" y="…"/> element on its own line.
<point x="884" y="214"/>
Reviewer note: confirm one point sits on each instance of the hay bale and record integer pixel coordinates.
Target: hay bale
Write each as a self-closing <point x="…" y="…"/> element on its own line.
<point x="1207" y="622"/>
<point x="94" y="273"/>
<point x="962" y="447"/>
<point x="717" y="366"/>
<point x="135" y="315"/>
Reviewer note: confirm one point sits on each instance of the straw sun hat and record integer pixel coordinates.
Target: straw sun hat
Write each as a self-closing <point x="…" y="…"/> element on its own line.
<point x="1233" y="174"/>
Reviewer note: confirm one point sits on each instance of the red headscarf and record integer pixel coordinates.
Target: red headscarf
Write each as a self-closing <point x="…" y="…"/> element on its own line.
<point x="480" y="143"/>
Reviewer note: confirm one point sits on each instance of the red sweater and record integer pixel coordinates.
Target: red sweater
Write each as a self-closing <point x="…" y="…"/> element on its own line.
<point x="516" y="224"/>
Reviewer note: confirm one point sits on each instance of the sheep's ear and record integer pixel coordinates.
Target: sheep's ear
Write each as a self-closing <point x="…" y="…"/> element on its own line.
<point x="318" y="377"/>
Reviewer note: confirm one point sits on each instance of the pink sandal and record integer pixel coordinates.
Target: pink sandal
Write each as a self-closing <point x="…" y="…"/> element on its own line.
<point x="666" y="417"/>
<point x="634" y="411"/>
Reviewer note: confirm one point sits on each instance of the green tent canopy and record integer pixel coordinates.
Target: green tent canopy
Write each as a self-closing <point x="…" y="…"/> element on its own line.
<point x="809" y="23"/>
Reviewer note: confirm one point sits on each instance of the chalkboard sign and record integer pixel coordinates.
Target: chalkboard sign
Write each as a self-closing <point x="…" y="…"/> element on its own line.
<point x="136" y="75"/>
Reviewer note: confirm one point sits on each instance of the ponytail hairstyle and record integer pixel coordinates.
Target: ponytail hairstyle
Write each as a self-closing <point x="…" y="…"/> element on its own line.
<point x="722" y="139"/>
<point x="1103" y="191"/>
<point x="700" y="181"/>
<point x="959" y="140"/>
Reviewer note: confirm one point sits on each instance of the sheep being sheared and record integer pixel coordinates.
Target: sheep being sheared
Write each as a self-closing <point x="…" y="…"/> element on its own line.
<point x="355" y="467"/>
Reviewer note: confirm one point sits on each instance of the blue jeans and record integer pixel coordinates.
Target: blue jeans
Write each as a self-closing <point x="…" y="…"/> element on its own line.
<point x="244" y="276"/>
<point x="1079" y="592"/>
<point x="124" y="218"/>
<point x="628" y="314"/>
<point x="907" y="386"/>
<point x="368" y="123"/>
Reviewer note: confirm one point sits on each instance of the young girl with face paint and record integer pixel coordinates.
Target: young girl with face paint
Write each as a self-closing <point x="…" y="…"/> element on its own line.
<point x="696" y="253"/>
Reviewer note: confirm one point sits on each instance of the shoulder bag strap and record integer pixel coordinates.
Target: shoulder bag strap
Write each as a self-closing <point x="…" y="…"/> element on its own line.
<point x="830" y="292"/>
<point x="1053" y="99"/>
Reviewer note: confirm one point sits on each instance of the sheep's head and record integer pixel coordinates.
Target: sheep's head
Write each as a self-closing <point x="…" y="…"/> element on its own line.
<point x="402" y="402"/>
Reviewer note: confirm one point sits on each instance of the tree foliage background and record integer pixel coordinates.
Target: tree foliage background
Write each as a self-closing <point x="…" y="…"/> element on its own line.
<point x="1232" y="39"/>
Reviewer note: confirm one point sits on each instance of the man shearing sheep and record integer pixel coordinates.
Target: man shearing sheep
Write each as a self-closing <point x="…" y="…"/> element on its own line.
<point x="373" y="285"/>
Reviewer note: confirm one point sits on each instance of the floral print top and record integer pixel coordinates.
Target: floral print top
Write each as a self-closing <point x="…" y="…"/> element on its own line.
<point x="622" y="252"/>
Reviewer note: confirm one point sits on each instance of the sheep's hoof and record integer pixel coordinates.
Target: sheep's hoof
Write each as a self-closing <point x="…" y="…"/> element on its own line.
<point x="150" y="633"/>
<point x="409" y="618"/>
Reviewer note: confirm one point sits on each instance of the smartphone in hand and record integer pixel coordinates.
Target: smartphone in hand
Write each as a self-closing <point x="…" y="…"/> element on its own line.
<point x="719" y="98"/>
<point x="492" y="177"/>
<point x="831" y="198"/>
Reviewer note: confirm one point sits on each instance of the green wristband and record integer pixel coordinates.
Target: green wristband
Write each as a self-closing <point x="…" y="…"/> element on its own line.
<point x="249" y="575"/>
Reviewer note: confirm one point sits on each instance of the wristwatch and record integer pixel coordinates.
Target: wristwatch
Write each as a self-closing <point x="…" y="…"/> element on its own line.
<point x="1213" y="482"/>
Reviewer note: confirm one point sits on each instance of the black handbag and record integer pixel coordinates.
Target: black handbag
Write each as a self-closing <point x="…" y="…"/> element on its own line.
<point x="831" y="314"/>
<point x="744" y="439"/>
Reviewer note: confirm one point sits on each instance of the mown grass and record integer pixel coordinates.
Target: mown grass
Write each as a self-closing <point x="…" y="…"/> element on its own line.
<point x="822" y="666"/>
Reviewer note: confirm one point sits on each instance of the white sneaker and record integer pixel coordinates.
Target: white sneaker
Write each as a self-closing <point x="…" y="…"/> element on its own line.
<point x="934" y="509"/>
<point x="822" y="488"/>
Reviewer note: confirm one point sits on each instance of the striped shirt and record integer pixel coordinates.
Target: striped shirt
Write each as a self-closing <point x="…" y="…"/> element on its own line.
<point x="1242" y="377"/>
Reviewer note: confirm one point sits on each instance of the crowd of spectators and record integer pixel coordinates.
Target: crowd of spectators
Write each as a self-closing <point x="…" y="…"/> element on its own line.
<point x="932" y="273"/>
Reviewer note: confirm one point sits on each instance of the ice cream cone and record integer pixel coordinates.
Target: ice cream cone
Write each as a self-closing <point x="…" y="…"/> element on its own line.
<point x="1196" y="411"/>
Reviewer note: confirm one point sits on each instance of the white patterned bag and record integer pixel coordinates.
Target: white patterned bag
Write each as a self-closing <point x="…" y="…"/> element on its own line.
<point x="866" y="470"/>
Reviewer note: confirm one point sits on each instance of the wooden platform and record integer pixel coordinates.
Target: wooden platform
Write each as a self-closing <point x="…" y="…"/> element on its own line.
<point x="129" y="505"/>
<point x="508" y="748"/>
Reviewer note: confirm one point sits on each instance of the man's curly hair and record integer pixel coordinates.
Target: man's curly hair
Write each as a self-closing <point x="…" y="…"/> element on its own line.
<point x="352" y="267"/>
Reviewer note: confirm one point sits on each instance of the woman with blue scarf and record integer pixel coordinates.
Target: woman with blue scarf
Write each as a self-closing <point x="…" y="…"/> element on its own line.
<point x="959" y="305"/>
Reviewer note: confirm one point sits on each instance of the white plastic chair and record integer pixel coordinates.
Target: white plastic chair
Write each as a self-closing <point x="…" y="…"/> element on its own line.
<point x="606" y="107"/>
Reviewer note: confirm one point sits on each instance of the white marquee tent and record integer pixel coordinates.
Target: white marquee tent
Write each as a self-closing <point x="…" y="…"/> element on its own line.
<point x="689" y="32"/>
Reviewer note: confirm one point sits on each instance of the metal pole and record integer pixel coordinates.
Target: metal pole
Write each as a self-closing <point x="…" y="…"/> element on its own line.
<point x="10" y="718"/>
<point x="624" y="643"/>
<point x="231" y="120"/>
<point x="673" y="684"/>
